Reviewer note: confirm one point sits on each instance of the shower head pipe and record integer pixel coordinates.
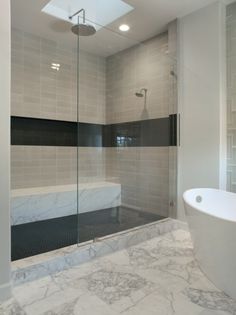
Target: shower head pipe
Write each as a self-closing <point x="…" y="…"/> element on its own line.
<point x="78" y="12"/>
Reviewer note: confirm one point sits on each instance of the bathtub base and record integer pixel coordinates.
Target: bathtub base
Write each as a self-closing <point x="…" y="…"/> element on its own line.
<point x="216" y="258"/>
<point x="214" y="244"/>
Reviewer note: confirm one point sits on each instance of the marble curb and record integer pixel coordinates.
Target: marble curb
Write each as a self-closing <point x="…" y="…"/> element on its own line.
<point x="39" y="266"/>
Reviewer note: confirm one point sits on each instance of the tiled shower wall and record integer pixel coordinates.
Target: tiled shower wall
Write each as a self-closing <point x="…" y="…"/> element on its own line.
<point x="143" y="174"/>
<point x="231" y="97"/>
<point x="37" y="166"/>
<point x="142" y="171"/>
<point x="38" y="90"/>
<point x="106" y="95"/>
<point x="41" y="92"/>
<point x="143" y="66"/>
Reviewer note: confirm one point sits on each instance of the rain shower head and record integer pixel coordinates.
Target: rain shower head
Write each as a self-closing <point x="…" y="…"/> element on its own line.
<point x="82" y="29"/>
<point x="140" y="93"/>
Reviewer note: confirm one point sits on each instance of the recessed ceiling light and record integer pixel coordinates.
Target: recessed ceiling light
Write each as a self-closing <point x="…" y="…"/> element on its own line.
<point x="124" y="27"/>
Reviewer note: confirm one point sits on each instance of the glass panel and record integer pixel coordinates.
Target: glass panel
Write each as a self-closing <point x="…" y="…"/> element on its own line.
<point x="44" y="132"/>
<point x="127" y="168"/>
<point x="93" y="146"/>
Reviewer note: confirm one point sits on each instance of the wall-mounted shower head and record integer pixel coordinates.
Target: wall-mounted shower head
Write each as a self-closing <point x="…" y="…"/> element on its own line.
<point x="140" y="93"/>
<point x="82" y="29"/>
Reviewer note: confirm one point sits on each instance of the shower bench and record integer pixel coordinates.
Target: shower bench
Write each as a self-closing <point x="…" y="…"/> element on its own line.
<point x="42" y="203"/>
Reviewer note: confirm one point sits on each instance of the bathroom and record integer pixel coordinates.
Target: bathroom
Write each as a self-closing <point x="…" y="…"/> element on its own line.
<point x="118" y="157"/>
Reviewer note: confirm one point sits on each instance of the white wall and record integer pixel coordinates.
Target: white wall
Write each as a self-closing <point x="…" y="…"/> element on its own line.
<point x="202" y="104"/>
<point x="5" y="287"/>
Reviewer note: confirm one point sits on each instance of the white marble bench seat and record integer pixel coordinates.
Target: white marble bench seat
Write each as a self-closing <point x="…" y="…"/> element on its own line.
<point x="42" y="203"/>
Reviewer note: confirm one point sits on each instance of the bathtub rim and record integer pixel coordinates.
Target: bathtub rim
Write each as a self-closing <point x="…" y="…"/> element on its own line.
<point x="201" y="209"/>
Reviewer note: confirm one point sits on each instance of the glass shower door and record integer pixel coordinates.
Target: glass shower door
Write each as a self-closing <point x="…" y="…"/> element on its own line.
<point x="126" y="145"/>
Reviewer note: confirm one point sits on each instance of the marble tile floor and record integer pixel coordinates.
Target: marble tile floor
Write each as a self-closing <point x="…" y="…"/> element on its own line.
<point x="158" y="276"/>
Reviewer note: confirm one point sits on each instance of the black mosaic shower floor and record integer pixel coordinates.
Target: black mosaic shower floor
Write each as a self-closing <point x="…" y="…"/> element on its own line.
<point x="39" y="237"/>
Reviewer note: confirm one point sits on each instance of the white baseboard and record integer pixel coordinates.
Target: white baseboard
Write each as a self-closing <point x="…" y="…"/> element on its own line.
<point x="5" y="291"/>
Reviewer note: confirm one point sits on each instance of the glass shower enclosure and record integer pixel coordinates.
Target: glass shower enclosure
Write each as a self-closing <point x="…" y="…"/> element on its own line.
<point x="93" y="130"/>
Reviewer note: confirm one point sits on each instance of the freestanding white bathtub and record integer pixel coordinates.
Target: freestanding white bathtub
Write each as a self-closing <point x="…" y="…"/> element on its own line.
<point x="211" y="215"/>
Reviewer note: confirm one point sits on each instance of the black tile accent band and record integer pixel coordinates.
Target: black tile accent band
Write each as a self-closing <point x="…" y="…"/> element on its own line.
<point x="145" y="133"/>
<point x="43" y="132"/>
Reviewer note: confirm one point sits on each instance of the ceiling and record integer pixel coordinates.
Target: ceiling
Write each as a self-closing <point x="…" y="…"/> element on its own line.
<point x="149" y="18"/>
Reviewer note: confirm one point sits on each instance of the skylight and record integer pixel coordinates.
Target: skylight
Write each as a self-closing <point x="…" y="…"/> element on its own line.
<point x="101" y="12"/>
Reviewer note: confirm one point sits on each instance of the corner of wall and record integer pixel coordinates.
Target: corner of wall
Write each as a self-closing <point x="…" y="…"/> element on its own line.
<point x="5" y="62"/>
<point x="201" y="100"/>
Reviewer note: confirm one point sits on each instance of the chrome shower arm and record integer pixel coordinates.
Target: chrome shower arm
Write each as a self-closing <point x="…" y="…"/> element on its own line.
<point x="78" y="12"/>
